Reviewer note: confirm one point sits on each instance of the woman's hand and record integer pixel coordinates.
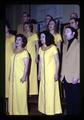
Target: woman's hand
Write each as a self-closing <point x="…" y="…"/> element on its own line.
<point x="75" y="81"/>
<point x="36" y="59"/>
<point x="56" y="77"/>
<point x="39" y="77"/>
<point x="23" y="79"/>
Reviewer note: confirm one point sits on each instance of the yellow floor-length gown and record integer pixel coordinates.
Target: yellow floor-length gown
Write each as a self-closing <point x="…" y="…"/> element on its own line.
<point x="18" y="90"/>
<point x="33" y="84"/>
<point x="8" y="53"/>
<point x="49" y="96"/>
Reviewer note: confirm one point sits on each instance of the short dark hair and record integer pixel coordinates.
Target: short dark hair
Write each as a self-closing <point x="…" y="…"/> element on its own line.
<point x="24" y="39"/>
<point x="73" y="30"/>
<point x="75" y="19"/>
<point x="49" y="16"/>
<point x="48" y="37"/>
<point x="30" y="25"/>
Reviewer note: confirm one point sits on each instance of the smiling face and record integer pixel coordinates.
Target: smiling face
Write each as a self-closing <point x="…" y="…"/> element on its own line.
<point x="18" y="42"/>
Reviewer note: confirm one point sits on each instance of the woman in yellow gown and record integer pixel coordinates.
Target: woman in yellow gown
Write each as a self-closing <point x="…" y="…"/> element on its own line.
<point x="52" y="28"/>
<point x="32" y="47"/>
<point x="49" y="97"/>
<point x="8" y="53"/>
<point x="18" y="78"/>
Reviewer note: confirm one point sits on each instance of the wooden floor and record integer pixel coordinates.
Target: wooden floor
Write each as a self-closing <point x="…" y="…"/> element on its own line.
<point x="33" y="105"/>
